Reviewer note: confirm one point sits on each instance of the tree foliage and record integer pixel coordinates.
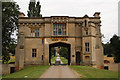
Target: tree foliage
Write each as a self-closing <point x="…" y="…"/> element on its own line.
<point x="34" y="9"/>
<point x="115" y="43"/>
<point x="113" y="48"/>
<point x="64" y="52"/>
<point x="108" y="49"/>
<point x="52" y="52"/>
<point x="10" y="13"/>
<point x="12" y="48"/>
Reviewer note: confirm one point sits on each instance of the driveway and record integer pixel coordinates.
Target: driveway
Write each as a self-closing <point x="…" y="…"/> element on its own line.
<point x="59" y="72"/>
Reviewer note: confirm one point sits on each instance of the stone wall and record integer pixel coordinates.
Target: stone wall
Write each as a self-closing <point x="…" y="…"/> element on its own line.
<point x="114" y="67"/>
<point x="6" y="68"/>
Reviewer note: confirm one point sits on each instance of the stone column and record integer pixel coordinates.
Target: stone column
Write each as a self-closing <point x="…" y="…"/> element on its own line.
<point x="99" y="49"/>
<point x="73" y="53"/>
<point x="21" y="50"/>
<point x="46" y="52"/>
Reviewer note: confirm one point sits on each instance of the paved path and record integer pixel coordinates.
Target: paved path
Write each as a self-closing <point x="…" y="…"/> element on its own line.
<point x="59" y="72"/>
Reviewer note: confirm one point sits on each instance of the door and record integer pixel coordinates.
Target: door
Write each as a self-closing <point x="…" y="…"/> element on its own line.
<point x="78" y="58"/>
<point x="12" y="69"/>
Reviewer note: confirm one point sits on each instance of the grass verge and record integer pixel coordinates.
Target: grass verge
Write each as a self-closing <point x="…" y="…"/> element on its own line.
<point x="65" y="61"/>
<point x="29" y="72"/>
<point x="89" y="72"/>
<point x="53" y="60"/>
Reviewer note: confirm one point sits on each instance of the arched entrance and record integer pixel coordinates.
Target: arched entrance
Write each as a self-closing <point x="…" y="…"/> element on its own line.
<point x="60" y="44"/>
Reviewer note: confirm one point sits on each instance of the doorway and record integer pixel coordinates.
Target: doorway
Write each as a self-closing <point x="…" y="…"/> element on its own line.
<point x="78" y="59"/>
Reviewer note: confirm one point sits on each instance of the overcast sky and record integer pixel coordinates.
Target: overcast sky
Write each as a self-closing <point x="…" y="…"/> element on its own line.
<point x="78" y="8"/>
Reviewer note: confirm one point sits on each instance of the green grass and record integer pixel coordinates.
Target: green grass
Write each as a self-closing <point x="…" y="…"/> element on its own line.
<point x="89" y="72"/>
<point x="30" y="71"/>
<point x="53" y="60"/>
<point x="65" y="61"/>
<point x="0" y="60"/>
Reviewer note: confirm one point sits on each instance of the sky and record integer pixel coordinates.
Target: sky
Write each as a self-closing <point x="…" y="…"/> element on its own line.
<point x="78" y="8"/>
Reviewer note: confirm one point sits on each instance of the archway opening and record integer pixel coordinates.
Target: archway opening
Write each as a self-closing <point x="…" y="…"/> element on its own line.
<point x="61" y="50"/>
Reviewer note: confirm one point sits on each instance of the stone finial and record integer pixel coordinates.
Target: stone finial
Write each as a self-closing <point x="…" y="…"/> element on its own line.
<point x="21" y="14"/>
<point x="86" y="16"/>
<point x="97" y="14"/>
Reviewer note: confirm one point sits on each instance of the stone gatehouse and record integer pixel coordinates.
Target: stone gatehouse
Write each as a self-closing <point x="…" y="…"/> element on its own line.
<point x="81" y="35"/>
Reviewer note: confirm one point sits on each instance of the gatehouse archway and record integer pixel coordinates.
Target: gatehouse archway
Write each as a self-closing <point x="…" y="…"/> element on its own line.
<point x="60" y="44"/>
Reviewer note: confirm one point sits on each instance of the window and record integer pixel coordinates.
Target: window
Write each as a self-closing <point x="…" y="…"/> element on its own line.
<point x="59" y="32"/>
<point x="86" y="32"/>
<point x="34" y="32"/>
<point x="85" y="23"/>
<point x="87" y="47"/>
<point x="87" y="58"/>
<point x="42" y="57"/>
<point x="34" y="52"/>
<point x="42" y="41"/>
<point x="59" y="29"/>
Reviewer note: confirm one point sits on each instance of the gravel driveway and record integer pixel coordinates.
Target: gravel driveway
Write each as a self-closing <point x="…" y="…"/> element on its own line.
<point x="59" y="72"/>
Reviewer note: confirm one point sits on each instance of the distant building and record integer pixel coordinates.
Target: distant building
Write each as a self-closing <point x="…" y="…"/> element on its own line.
<point x="108" y="59"/>
<point x="81" y="35"/>
<point x="57" y="49"/>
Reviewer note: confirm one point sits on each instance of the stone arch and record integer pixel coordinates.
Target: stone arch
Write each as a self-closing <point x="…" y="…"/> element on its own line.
<point x="60" y="44"/>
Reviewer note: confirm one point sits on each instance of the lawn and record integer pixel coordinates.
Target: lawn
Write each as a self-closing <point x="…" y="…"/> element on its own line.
<point x="65" y="61"/>
<point x="89" y="72"/>
<point x="53" y="60"/>
<point x="29" y="72"/>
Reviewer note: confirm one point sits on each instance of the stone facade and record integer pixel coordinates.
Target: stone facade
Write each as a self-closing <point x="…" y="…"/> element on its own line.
<point x="82" y="33"/>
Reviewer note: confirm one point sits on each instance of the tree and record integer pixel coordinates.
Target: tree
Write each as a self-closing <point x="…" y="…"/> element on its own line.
<point x="52" y="52"/>
<point x="34" y="9"/>
<point x="12" y="48"/>
<point x="115" y="43"/>
<point x="64" y="52"/>
<point x="113" y="48"/>
<point x="108" y="49"/>
<point x="10" y="13"/>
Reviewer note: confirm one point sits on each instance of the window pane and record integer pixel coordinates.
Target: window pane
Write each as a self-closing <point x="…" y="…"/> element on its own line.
<point x="87" y="32"/>
<point x="65" y="26"/>
<point x="54" y="33"/>
<point x="35" y="50"/>
<point x="85" y="49"/>
<point x="59" y="32"/>
<point x="33" y="30"/>
<point x="32" y="54"/>
<point x="88" y="45"/>
<point x="85" y="23"/>
<point x="32" y="50"/>
<point x="88" y="49"/>
<point x="35" y="55"/>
